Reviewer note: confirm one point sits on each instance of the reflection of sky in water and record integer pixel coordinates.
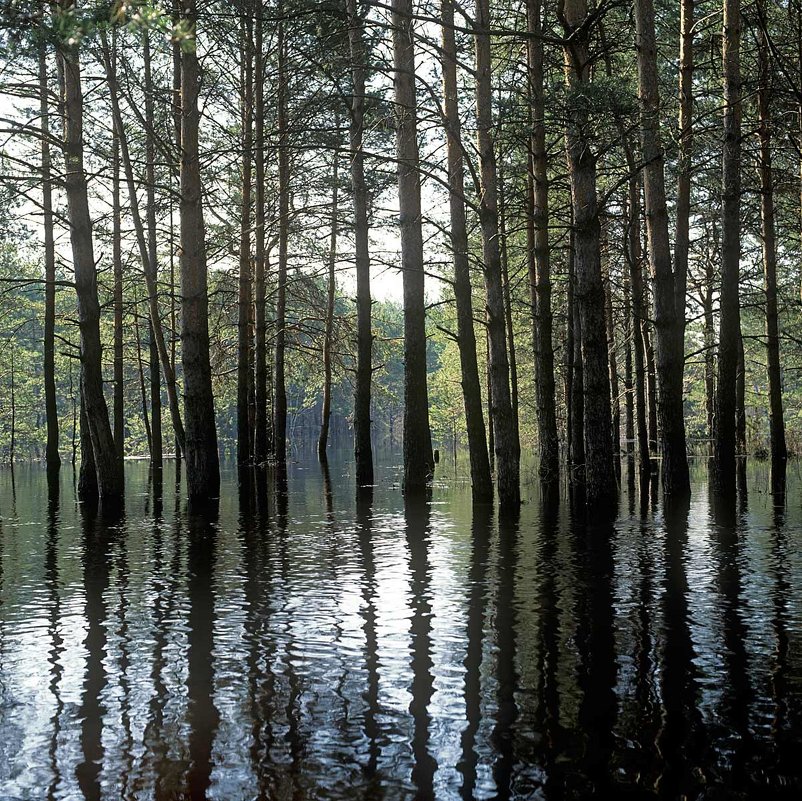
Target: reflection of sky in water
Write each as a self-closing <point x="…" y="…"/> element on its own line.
<point x="376" y="653"/>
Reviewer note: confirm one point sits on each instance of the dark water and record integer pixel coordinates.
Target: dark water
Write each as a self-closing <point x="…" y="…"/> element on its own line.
<point x="311" y="646"/>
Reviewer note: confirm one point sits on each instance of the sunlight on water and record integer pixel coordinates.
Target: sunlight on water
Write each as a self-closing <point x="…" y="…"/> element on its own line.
<point x="319" y="644"/>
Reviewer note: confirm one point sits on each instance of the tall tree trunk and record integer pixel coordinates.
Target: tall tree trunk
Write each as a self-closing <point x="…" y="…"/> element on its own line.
<point x="740" y="401"/>
<point x="684" y="170"/>
<point x="141" y="372"/>
<point x="418" y="456"/>
<point x="730" y="314"/>
<point x="651" y="382"/>
<point x="767" y="230"/>
<point x="155" y="332"/>
<point x="481" y="480"/>
<point x="203" y="466"/>
<point x="96" y="413"/>
<point x="629" y="400"/>
<point x="245" y="298"/>
<point x="49" y="366"/>
<point x="323" y="439"/>
<point x="87" y="475"/>
<point x="146" y="243"/>
<point x="710" y="338"/>
<point x="279" y="388"/>
<point x="261" y="448"/>
<point x="363" y="448"/>
<point x="505" y="440"/>
<point x="539" y="264"/>
<point x="613" y="361"/>
<point x="669" y="324"/>
<point x="635" y="259"/>
<point x="599" y="473"/>
<point x="117" y="270"/>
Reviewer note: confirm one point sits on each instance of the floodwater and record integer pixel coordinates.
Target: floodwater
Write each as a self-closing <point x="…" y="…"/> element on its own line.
<point x="309" y="644"/>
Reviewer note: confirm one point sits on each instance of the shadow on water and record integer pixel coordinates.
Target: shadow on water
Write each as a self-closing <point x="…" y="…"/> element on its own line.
<point x="303" y="639"/>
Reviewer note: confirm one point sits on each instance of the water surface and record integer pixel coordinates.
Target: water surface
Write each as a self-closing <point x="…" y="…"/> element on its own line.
<point x="312" y="644"/>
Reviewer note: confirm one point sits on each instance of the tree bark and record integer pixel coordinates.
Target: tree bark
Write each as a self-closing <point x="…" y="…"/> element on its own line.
<point x="323" y="439"/>
<point x="599" y="473"/>
<point x="96" y="413"/>
<point x="418" y="457"/>
<point x="203" y="466"/>
<point x="481" y="480"/>
<point x="363" y="448"/>
<point x="49" y="366"/>
<point x="730" y="315"/>
<point x="262" y="424"/>
<point x="505" y="440"/>
<point x="117" y="270"/>
<point x="279" y="388"/>
<point x="539" y="261"/>
<point x="767" y="230"/>
<point x="245" y="297"/>
<point x="669" y="324"/>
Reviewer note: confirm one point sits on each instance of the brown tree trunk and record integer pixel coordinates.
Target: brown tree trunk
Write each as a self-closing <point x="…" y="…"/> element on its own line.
<point x="363" y="448"/>
<point x="323" y="439"/>
<point x="651" y="383"/>
<point x="767" y="230"/>
<point x="539" y="261"/>
<point x="245" y="298"/>
<point x="418" y="457"/>
<point x="203" y="466"/>
<point x="261" y="446"/>
<point x="629" y="400"/>
<point x="117" y="270"/>
<point x="96" y="414"/>
<point x="599" y="473"/>
<point x="669" y="323"/>
<point x="279" y="388"/>
<point x="481" y="480"/>
<point x="614" y="398"/>
<point x="730" y="315"/>
<point x="740" y="401"/>
<point x="710" y="338"/>
<point x="505" y="440"/>
<point x="49" y="366"/>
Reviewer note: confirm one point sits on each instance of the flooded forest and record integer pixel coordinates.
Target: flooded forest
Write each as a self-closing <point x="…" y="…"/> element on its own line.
<point x="400" y="400"/>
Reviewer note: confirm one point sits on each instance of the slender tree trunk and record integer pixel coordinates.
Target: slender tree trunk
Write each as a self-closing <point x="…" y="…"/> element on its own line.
<point x="203" y="467"/>
<point x="629" y="400"/>
<point x="146" y="243"/>
<point x="96" y="413"/>
<point x="12" y="445"/>
<point x="767" y="230"/>
<point x="614" y="398"/>
<point x="505" y="440"/>
<point x="730" y="315"/>
<point x="710" y="341"/>
<point x="117" y="269"/>
<point x="651" y="383"/>
<point x="684" y="171"/>
<point x="155" y="331"/>
<point x="323" y="439"/>
<point x="669" y="323"/>
<point x="635" y="258"/>
<point x="539" y="264"/>
<point x="418" y="456"/>
<point x="481" y="480"/>
<point x="508" y="319"/>
<point x="740" y="401"/>
<point x="245" y="299"/>
<point x="279" y="389"/>
<point x="491" y="450"/>
<point x="87" y="475"/>
<point x="261" y="448"/>
<point x="363" y="449"/>
<point x="142" y="392"/>
<point x="49" y="366"/>
<point x="599" y="473"/>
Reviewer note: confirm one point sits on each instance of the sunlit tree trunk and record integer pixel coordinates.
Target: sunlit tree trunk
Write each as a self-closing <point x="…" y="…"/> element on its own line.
<point x="669" y="324"/>
<point x="418" y="457"/>
<point x="730" y="316"/>
<point x="589" y="291"/>
<point x="363" y="448"/>
<point x="203" y="467"/>
<point x="481" y="480"/>
<point x="505" y="440"/>
<point x="97" y="430"/>
<point x="539" y="255"/>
